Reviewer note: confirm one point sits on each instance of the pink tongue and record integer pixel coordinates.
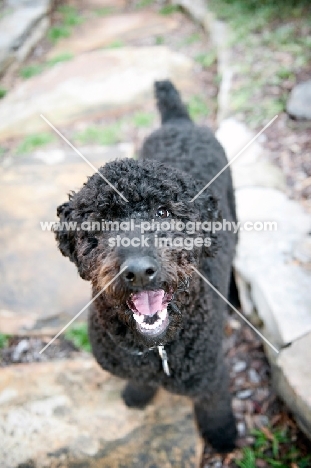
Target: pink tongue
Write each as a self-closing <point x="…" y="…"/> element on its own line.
<point x="148" y="302"/>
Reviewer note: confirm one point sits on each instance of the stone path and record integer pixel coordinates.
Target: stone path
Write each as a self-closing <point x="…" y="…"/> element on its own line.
<point x="44" y="405"/>
<point x="22" y="25"/>
<point x="70" y="413"/>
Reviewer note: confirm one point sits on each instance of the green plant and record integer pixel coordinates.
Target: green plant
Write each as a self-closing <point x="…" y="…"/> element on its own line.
<point x="144" y="3"/>
<point x="115" y="44"/>
<point x="169" y="9"/>
<point x="70" y="15"/>
<point x="78" y="335"/>
<point x="2" y="92"/>
<point x="195" y="37"/>
<point x="4" y="340"/>
<point x="70" y="18"/>
<point x="104" y="11"/>
<point x="275" y="448"/>
<point x="197" y="107"/>
<point x="248" y="460"/>
<point x="160" y="40"/>
<point x="59" y="58"/>
<point x="58" y="32"/>
<point x="31" y="142"/>
<point x="31" y="70"/>
<point x="108" y="135"/>
<point x="206" y="60"/>
<point x="142" y="119"/>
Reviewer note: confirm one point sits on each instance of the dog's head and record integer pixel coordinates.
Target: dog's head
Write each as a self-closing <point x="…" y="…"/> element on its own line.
<point x="140" y="251"/>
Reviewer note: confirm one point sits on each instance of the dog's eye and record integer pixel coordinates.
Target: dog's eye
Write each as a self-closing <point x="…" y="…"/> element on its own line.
<point x="162" y="212"/>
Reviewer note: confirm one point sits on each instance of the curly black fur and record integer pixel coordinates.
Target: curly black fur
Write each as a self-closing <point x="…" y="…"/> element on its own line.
<point x="175" y="162"/>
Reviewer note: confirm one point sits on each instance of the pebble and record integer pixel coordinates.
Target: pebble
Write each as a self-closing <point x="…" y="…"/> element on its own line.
<point x="241" y="428"/>
<point x="253" y="376"/>
<point x="20" y="348"/>
<point x="239" y="366"/>
<point x="243" y="394"/>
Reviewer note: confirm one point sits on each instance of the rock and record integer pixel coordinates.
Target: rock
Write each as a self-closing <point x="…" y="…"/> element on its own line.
<point x="239" y="366"/>
<point x="101" y="32"/>
<point x="40" y="290"/>
<point x="21" y="27"/>
<point x="299" y="102"/>
<point x="243" y="394"/>
<point x="91" y="85"/>
<point x="70" y="413"/>
<point x="253" y="376"/>
<point x="277" y="286"/>
<point x="251" y="168"/>
<point x="302" y="251"/>
<point x="292" y="378"/>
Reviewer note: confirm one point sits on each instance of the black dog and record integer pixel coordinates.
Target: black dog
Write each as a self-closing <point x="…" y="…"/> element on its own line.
<point x="157" y="322"/>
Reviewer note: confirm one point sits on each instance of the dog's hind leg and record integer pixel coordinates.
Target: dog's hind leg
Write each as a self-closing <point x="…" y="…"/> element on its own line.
<point x="215" y="420"/>
<point x="138" y="395"/>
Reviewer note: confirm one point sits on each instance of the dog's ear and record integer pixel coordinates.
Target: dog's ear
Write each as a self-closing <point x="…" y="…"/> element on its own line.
<point x="65" y="236"/>
<point x="209" y="213"/>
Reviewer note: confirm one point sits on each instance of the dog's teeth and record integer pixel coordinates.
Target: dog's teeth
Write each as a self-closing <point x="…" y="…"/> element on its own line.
<point x="139" y="318"/>
<point x="162" y="314"/>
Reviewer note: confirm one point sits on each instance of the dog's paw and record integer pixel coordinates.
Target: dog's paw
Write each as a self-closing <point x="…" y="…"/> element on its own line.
<point x="137" y="396"/>
<point x="224" y="440"/>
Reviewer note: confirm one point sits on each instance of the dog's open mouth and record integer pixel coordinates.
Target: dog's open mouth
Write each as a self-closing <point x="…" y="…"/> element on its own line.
<point x="150" y="311"/>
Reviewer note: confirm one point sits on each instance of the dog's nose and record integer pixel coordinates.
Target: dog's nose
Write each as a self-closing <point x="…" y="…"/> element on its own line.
<point x="140" y="271"/>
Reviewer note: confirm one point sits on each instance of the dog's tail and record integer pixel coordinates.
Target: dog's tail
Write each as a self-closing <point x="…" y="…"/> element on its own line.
<point x="169" y="102"/>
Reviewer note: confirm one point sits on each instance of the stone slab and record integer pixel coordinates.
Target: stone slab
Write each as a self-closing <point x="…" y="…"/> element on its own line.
<point x="16" y="26"/>
<point x="91" y="85"/>
<point x="252" y="167"/>
<point x="299" y="101"/>
<point x="101" y="32"/>
<point x="39" y="288"/>
<point x="278" y="286"/>
<point x="292" y="378"/>
<point x="70" y="413"/>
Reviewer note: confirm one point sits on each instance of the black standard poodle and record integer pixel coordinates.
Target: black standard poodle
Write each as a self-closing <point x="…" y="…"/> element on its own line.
<point x="147" y="247"/>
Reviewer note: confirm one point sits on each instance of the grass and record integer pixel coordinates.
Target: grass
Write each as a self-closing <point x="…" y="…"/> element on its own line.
<point x="31" y="70"/>
<point x="275" y="448"/>
<point x="4" y="340"/>
<point x="56" y="33"/>
<point x="143" y="119"/>
<point x="78" y="335"/>
<point x="197" y="107"/>
<point x="169" y="9"/>
<point x="192" y="39"/>
<point x="115" y="44"/>
<point x="59" y="58"/>
<point x="70" y="18"/>
<point x="32" y="142"/>
<point x="36" y="69"/>
<point x="271" y="41"/>
<point x="206" y="60"/>
<point x="104" y="11"/>
<point x="144" y="3"/>
<point x="2" y="93"/>
<point x="160" y="40"/>
<point x="109" y="135"/>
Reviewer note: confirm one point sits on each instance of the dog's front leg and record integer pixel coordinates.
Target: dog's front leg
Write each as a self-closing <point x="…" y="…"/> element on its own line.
<point x="137" y="395"/>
